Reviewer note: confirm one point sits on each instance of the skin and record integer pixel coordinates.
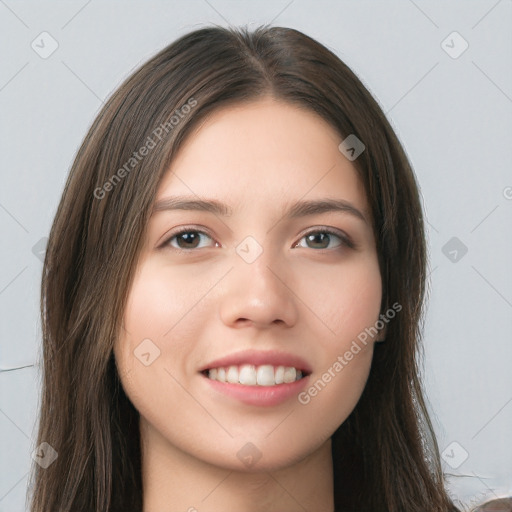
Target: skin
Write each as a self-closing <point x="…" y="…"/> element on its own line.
<point x="199" y="304"/>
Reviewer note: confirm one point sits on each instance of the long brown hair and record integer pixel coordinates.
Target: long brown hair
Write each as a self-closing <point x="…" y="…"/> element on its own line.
<point x="385" y="454"/>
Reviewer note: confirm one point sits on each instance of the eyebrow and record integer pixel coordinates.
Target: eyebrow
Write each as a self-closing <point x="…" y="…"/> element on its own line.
<point x="298" y="209"/>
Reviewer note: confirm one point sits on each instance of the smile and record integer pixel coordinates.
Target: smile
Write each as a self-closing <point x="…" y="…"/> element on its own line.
<point x="251" y="375"/>
<point x="260" y="395"/>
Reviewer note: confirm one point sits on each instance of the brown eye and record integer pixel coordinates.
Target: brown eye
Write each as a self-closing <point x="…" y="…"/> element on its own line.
<point x="321" y="240"/>
<point x="190" y="239"/>
<point x="318" y="240"/>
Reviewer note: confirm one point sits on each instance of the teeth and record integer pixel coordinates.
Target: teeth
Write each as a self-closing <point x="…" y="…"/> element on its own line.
<point x="232" y="375"/>
<point x="280" y="375"/>
<point x="265" y="375"/>
<point x="247" y="375"/>
<point x="289" y="375"/>
<point x="250" y="375"/>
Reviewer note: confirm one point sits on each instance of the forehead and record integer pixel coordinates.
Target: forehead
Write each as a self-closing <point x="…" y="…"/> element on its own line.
<point x="266" y="151"/>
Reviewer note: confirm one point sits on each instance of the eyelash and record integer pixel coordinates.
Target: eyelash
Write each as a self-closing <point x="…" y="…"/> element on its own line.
<point x="345" y="241"/>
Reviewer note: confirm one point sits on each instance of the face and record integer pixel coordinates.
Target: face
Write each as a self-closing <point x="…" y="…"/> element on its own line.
<point x="259" y="264"/>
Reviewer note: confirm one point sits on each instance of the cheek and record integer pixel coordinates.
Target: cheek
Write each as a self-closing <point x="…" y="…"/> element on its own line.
<point x="152" y="352"/>
<point x="160" y="302"/>
<point x="345" y="300"/>
<point x="162" y="318"/>
<point x="154" y="313"/>
<point x="333" y="393"/>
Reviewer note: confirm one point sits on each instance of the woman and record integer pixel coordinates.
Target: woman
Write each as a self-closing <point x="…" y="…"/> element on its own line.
<point x="232" y="294"/>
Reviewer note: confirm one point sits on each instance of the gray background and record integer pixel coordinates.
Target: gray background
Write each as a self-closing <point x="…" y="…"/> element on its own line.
<point x="453" y="115"/>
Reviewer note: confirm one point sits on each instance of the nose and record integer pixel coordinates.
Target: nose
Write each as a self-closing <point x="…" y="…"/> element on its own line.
<point x="258" y="294"/>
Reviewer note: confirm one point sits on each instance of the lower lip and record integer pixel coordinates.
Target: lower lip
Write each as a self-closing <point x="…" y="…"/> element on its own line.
<point x="260" y="395"/>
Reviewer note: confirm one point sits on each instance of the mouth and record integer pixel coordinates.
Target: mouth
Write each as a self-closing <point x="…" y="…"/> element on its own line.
<point x="257" y="378"/>
<point x="262" y="386"/>
<point x="252" y="375"/>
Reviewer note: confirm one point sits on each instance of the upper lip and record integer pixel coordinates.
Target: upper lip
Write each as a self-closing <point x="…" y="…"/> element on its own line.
<point x="259" y="358"/>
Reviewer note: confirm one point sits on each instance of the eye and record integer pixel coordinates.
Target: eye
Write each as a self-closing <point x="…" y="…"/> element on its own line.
<point x="190" y="239"/>
<point x="323" y="239"/>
